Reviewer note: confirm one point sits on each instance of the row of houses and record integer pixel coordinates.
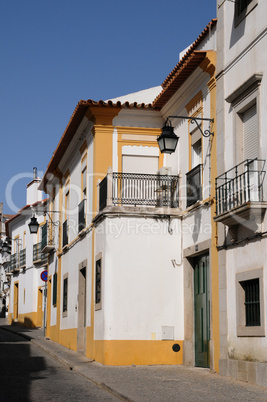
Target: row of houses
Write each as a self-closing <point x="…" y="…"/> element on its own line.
<point x="150" y="257"/>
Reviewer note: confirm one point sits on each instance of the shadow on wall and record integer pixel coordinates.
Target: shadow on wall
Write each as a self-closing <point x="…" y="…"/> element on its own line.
<point x="237" y="31"/>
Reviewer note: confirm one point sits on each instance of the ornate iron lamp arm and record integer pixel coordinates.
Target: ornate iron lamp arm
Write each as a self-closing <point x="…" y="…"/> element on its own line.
<point x="206" y="133"/>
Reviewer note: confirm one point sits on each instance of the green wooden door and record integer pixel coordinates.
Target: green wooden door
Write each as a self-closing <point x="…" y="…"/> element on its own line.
<point x="201" y="290"/>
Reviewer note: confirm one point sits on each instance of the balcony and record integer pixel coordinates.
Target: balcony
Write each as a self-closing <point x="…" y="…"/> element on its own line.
<point x="48" y="238"/>
<point x="22" y="258"/>
<point x="133" y="189"/>
<point x="38" y="256"/>
<point x="65" y="233"/>
<point x="239" y="193"/>
<point x="14" y="262"/>
<point x="194" y="186"/>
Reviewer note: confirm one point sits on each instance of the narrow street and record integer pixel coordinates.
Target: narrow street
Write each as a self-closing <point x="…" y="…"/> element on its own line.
<point x="34" y="368"/>
<point x="28" y="374"/>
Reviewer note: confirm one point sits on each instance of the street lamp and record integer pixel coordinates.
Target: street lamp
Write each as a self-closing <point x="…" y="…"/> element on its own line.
<point x="167" y="141"/>
<point x="33" y="225"/>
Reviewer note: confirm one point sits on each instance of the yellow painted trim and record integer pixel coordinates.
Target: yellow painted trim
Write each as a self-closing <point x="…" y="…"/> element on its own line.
<point x="24" y="239"/>
<point x="124" y="352"/>
<point x="66" y="175"/>
<point x="90" y="349"/>
<point x="39" y="322"/>
<point x="214" y="225"/>
<point x="137" y="131"/>
<point x="194" y="101"/>
<point x="48" y="303"/>
<point x="16" y="300"/>
<point x="83" y="147"/>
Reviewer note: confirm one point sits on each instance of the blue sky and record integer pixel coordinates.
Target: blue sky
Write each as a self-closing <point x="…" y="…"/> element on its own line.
<point x="54" y="53"/>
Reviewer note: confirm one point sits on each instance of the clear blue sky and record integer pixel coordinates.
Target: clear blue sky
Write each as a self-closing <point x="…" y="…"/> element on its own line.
<point x="54" y="53"/>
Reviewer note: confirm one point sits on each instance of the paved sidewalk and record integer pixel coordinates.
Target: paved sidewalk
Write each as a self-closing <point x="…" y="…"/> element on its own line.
<point x="147" y="383"/>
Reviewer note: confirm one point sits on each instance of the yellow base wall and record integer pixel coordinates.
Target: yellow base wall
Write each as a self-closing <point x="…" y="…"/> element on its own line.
<point x="124" y="353"/>
<point x="68" y="338"/>
<point x="28" y="320"/>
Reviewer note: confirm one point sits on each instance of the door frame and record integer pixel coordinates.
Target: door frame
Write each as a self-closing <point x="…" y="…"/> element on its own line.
<point x="82" y="310"/>
<point x="189" y="315"/>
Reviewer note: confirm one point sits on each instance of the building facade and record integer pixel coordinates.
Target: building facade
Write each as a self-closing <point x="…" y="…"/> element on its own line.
<point x="27" y="290"/>
<point x="241" y="188"/>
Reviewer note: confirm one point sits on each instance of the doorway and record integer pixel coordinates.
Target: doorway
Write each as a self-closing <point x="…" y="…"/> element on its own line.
<point x="201" y="310"/>
<point x="40" y="307"/>
<point x="16" y="301"/>
<point x="81" y="332"/>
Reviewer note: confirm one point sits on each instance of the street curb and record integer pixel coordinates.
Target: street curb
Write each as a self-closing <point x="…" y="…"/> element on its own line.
<point x="66" y="363"/>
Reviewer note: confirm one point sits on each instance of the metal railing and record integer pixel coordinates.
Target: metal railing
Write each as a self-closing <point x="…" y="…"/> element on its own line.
<point x="239" y="185"/>
<point x="194" y="185"/>
<point x="48" y="237"/>
<point x="38" y="256"/>
<point x="14" y="262"/>
<point x="22" y="258"/>
<point x="141" y="189"/>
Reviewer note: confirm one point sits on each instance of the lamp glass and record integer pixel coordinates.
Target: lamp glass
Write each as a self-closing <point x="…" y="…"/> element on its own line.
<point x="33" y="225"/>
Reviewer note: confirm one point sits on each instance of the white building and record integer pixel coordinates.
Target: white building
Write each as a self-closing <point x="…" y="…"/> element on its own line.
<point x="26" y="304"/>
<point x="136" y="225"/>
<point x="241" y="188"/>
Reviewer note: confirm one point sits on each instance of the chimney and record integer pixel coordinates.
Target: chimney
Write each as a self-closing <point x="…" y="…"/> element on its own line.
<point x="33" y="194"/>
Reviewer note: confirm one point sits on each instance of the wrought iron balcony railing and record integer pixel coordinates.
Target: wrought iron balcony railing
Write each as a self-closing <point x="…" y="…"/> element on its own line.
<point x="14" y="262"/>
<point x="139" y="190"/>
<point x="48" y="237"/>
<point x="239" y="185"/>
<point x="22" y="258"/>
<point x="38" y="256"/>
<point x="194" y="185"/>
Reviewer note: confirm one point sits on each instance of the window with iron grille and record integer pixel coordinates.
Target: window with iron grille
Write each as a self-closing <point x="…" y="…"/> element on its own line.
<point x="98" y="284"/>
<point x="65" y="295"/>
<point x="55" y="289"/>
<point x="252" y="302"/>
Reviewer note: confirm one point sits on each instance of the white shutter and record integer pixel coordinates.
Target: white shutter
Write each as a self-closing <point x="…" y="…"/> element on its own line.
<point x="251" y="138"/>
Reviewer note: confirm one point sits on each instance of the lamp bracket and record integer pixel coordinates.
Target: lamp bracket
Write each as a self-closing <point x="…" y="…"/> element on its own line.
<point x="48" y="213"/>
<point x="206" y="133"/>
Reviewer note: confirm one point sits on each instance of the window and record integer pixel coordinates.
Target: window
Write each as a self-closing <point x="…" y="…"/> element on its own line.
<point x="245" y="103"/>
<point x="54" y="289"/>
<point x="65" y="295"/>
<point x="243" y="8"/>
<point x="250" y="314"/>
<point x="98" y="284"/>
<point x="252" y="302"/>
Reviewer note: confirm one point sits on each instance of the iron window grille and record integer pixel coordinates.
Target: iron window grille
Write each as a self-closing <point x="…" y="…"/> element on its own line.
<point x="98" y="282"/>
<point x="252" y="302"/>
<point x="65" y="295"/>
<point x="55" y="289"/>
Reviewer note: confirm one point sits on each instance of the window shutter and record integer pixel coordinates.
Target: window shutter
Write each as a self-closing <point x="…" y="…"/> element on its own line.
<point x="251" y="138"/>
<point x="54" y="289"/>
